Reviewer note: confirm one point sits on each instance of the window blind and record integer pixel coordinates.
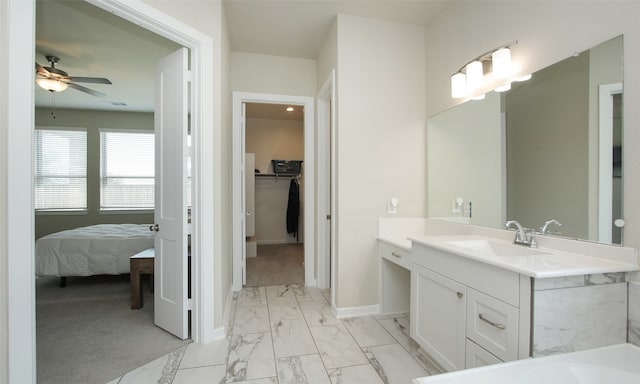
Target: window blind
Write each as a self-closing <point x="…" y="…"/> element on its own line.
<point x="60" y="169"/>
<point x="127" y="170"/>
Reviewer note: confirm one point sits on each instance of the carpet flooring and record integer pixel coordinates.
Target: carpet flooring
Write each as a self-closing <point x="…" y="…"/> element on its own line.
<point x="276" y="264"/>
<point x="87" y="333"/>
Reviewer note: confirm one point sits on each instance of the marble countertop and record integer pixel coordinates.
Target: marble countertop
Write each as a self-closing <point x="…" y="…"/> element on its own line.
<point x="533" y="262"/>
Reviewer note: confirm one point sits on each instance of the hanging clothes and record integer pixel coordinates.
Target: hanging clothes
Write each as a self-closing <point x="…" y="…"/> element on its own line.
<point x="293" y="208"/>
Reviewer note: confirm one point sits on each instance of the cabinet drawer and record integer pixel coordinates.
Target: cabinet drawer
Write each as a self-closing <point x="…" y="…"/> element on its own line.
<point x="493" y="325"/>
<point x="395" y="254"/>
<point x="497" y="282"/>
<point x="478" y="356"/>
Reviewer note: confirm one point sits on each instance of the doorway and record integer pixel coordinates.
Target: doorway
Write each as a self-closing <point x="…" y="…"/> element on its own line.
<point x="241" y="174"/>
<point x="274" y="194"/>
<point x="21" y="317"/>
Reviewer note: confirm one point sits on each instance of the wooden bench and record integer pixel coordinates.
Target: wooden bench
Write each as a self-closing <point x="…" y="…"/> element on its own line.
<point x="140" y="264"/>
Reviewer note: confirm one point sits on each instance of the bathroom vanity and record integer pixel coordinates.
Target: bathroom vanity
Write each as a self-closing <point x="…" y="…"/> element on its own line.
<point x="476" y="299"/>
<point x="466" y="313"/>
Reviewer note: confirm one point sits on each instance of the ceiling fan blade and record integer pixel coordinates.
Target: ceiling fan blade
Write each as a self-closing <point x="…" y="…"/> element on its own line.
<point x="86" y="90"/>
<point x="41" y="71"/>
<point x="94" y="80"/>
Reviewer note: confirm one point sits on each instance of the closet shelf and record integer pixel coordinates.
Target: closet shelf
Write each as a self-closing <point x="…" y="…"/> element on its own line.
<point x="277" y="174"/>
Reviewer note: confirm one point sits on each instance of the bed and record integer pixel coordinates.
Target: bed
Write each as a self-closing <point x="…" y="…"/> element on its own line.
<point x="102" y="249"/>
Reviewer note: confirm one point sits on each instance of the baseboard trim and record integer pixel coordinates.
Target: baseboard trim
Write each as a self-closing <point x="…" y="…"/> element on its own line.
<point x="221" y="332"/>
<point x="357" y="311"/>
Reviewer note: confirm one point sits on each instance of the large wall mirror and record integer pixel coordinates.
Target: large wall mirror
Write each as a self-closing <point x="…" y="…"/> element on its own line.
<point x="549" y="148"/>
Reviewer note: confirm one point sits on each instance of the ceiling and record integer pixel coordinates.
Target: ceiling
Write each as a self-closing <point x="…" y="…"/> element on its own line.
<point x="91" y="42"/>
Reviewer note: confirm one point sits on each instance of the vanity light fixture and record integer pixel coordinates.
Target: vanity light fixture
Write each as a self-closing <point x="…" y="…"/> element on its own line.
<point x="289" y="109"/>
<point x="492" y="70"/>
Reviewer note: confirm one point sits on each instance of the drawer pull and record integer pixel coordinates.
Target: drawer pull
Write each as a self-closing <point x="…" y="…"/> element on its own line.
<point x="460" y="294"/>
<point x="497" y="325"/>
<point x="395" y="254"/>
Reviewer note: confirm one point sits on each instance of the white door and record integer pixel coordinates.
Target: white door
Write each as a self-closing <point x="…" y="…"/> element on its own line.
<point x="170" y="265"/>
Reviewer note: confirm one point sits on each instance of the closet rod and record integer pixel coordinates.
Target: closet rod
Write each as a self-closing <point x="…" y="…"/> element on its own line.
<point x="277" y="175"/>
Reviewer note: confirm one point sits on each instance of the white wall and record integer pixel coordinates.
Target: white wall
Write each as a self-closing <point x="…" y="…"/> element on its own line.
<point x="328" y="56"/>
<point x="380" y="143"/>
<point x="464" y="159"/>
<point x="4" y="94"/>
<point x="547" y="33"/>
<point x="273" y="74"/>
<point x="273" y="139"/>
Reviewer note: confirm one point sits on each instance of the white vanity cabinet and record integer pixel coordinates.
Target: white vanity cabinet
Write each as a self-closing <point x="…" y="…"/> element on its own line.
<point x="465" y="313"/>
<point x="438" y="317"/>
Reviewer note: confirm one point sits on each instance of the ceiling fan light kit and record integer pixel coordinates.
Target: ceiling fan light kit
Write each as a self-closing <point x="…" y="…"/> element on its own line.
<point x="53" y="79"/>
<point x="51" y="85"/>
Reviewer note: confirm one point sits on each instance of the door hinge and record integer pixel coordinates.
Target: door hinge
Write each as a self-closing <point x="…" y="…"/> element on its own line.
<point x="189" y="305"/>
<point x="189" y="76"/>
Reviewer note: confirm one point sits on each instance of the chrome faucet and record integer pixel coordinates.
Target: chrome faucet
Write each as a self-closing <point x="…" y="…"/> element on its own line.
<point x="544" y="230"/>
<point x="522" y="236"/>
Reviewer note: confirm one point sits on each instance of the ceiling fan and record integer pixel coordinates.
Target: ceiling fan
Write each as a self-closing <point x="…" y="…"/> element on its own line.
<point x="56" y="80"/>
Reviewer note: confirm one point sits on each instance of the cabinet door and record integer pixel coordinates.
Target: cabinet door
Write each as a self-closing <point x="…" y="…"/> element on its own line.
<point x="438" y="314"/>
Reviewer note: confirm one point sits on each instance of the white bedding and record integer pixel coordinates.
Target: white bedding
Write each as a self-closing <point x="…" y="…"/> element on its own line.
<point x="102" y="249"/>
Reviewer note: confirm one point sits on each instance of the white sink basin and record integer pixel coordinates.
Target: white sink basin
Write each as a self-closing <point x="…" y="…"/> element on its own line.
<point x="492" y="248"/>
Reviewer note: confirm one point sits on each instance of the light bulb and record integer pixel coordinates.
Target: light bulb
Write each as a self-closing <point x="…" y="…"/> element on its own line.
<point x="458" y="85"/>
<point x="501" y="61"/>
<point x="474" y="75"/>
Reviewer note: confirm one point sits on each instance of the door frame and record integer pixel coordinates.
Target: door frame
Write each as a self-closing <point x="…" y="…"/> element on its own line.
<point x="21" y="353"/>
<point x="238" y="230"/>
<point x="605" y="159"/>
<point x="326" y="107"/>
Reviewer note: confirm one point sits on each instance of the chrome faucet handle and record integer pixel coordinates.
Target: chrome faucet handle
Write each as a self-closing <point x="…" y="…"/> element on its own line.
<point x="531" y="240"/>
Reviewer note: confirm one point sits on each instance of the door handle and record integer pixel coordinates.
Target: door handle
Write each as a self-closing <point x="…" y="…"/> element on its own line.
<point x="154" y="228"/>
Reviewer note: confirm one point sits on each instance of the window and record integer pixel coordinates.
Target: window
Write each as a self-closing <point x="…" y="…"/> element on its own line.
<point x="127" y="170"/>
<point x="60" y="169"/>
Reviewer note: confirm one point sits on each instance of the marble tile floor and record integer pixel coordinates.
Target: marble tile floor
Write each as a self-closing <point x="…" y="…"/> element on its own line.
<point x="288" y="334"/>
